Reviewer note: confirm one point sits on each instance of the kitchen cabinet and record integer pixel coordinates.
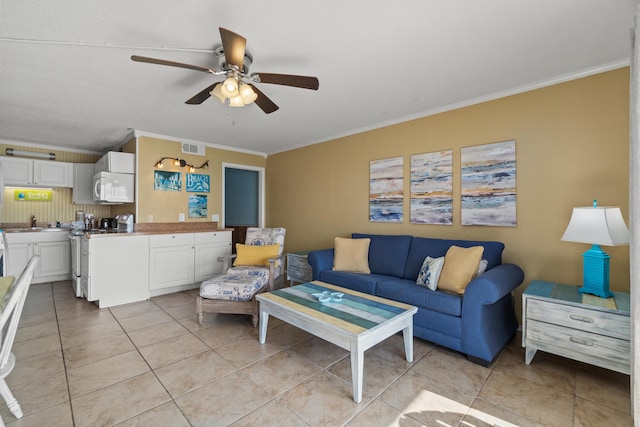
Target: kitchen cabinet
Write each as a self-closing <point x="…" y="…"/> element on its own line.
<point x="36" y="173"/>
<point x="181" y="261"/>
<point x="83" y="184"/>
<point x="210" y="246"/>
<point x="114" y="269"/>
<point x="54" y="250"/>
<point x="115" y="161"/>
<point x="171" y="258"/>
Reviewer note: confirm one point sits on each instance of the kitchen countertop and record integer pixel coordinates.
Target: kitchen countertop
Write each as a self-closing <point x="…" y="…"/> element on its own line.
<point x="139" y="229"/>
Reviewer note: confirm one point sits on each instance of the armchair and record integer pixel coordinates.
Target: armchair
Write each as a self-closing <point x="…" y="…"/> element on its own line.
<point x="258" y="267"/>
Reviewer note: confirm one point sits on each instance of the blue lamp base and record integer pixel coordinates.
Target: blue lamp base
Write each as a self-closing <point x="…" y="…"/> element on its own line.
<point x="596" y="272"/>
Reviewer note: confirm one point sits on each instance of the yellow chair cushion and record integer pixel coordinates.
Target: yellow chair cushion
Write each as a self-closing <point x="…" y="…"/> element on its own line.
<point x="351" y="255"/>
<point x="255" y="255"/>
<point x="460" y="267"/>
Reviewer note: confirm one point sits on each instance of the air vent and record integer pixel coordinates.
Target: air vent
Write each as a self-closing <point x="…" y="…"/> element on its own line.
<point x="193" y="149"/>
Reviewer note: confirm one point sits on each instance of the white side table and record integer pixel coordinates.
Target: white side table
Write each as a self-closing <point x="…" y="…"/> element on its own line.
<point x="558" y="319"/>
<point x="298" y="269"/>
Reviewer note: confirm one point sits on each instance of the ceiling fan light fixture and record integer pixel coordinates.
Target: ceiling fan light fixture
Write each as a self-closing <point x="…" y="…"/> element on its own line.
<point x="248" y="95"/>
<point x="230" y="87"/>
<point x="236" y="101"/>
<point x="217" y="93"/>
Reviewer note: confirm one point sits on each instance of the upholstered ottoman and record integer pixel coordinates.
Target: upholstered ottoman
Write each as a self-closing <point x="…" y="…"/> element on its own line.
<point x="231" y="293"/>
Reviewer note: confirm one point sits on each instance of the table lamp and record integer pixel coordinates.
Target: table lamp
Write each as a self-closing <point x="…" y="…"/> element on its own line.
<point x="597" y="225"/>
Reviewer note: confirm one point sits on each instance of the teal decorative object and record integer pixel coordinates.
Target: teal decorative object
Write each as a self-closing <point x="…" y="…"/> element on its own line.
<point x="598" y="226"/>
<point x="595" y="272"/>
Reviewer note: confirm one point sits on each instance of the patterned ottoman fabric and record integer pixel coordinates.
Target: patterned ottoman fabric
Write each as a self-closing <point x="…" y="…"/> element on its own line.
<point x="230" y="287"/>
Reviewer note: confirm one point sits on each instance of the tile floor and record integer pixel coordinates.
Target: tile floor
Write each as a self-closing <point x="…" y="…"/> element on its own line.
<point x="150" y="364"/>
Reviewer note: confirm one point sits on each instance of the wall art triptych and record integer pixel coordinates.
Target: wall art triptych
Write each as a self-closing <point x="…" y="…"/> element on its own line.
<point x="488" y="187"/>
<point x="432" y="188"/>
<point x="386" y="190"/>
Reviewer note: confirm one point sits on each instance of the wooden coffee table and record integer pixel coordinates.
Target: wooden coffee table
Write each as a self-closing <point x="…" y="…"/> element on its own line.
<point x="357" y="323"/>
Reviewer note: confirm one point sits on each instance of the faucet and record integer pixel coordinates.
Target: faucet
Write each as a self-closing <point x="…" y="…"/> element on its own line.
<point x="33" y="221"/>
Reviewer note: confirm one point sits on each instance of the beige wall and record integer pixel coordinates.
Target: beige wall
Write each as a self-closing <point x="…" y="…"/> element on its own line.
<point x="165" y="206"/>
<point x="60" y="208"/>
<point x="572" y="144"/>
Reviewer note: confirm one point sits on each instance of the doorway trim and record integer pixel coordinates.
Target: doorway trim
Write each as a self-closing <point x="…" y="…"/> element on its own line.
<point x="261" y="197"/>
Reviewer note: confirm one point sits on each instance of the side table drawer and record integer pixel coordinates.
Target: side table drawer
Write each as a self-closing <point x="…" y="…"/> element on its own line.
<point x="599" y="322"/>
<point x="301" y="274"/>
<point x="297" y="261"/>
<point x="579" y="344"/>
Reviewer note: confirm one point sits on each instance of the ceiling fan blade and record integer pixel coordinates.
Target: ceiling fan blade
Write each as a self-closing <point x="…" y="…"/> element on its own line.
<point x="171" y="63"/>
<point x="200" y="97"/>
<point x="234" y="46"/>
<point x="263" y="101"/>
<point x="304" y="82"/>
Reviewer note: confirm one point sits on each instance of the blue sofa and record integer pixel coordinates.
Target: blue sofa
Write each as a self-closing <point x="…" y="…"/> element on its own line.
<point x="478" y="323"/>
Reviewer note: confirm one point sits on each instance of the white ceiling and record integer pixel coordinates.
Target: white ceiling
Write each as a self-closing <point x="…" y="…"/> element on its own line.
<point x="66" y="78"/>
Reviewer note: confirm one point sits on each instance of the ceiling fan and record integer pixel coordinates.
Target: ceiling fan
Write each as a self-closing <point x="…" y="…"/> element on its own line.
<point x="239" y="86"/>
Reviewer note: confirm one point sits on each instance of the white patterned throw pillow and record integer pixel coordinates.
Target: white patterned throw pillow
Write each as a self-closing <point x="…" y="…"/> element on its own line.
<point x="430" y="272"/>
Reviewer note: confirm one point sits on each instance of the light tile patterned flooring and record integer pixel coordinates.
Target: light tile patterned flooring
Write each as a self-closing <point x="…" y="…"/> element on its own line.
<point x="150" y="364"/>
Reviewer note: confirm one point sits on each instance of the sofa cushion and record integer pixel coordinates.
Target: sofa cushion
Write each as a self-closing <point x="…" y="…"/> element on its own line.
<point x="408" y="292"/>
<point x="460" y="267"/>
<point x="430" y="272"/>
<point x="356" y="281"/>
<point x="351" y="255"/>
<point x="422" y="247"/>
<point x="388" y="254"/>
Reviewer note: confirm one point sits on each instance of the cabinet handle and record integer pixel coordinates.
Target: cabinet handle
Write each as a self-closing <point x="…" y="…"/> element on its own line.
<point x="579" y="318"/>
<point x="581" y="341"/>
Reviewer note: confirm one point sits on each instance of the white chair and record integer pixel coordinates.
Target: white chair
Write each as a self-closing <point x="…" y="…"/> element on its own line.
<point x="10" y="311"/>
<point x="234" y="292"/>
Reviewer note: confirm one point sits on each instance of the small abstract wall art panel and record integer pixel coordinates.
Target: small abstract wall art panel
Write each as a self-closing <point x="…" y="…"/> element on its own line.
<point x="167" y="181"/>
<point x="197" y="183"/>
<point x="386" y="190"/>
<point x="432" y="188"/>
<point x="489" y="184"/>
<point x="197" y="206"/>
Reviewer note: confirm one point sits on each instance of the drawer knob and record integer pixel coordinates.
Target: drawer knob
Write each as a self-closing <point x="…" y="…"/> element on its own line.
<point x="581" y="341"/>
<point x="581" y="318"/>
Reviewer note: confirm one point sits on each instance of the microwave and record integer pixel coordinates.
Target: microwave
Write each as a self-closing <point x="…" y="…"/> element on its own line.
<point x="111" y="187"/>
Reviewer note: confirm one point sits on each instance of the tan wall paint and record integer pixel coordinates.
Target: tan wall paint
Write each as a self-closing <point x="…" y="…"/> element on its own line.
<point x="572" y="145"/>
<point x="166" y="205"/>
<point x="60" y="208"/>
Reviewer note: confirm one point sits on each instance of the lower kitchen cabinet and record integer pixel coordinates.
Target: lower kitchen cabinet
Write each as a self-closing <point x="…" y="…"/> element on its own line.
<point x="171" y="260"/>
<point x="115" y="269"/>
<point x="181" y="261"/>
<point x="54" y="250"/>
<point x="210" y="246"/>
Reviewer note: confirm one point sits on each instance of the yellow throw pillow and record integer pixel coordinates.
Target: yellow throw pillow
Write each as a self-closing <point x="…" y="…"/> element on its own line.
<point x="460" y="267"/>
<point x="255" y="255"/>
<point x="351" y="255"/>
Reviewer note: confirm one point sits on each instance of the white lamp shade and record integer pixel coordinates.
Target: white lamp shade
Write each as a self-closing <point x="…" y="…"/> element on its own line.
<point x="230" y="87"/>
<point x="248" y="94"/>
<point x="602" y="225"/>
<point x="217" y="93"/>
<point x="236" y="101"/>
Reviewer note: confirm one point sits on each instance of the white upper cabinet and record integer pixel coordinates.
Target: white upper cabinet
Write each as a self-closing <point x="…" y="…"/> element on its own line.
<point x="83" y="184"/>
<point x="36" y="173"/>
